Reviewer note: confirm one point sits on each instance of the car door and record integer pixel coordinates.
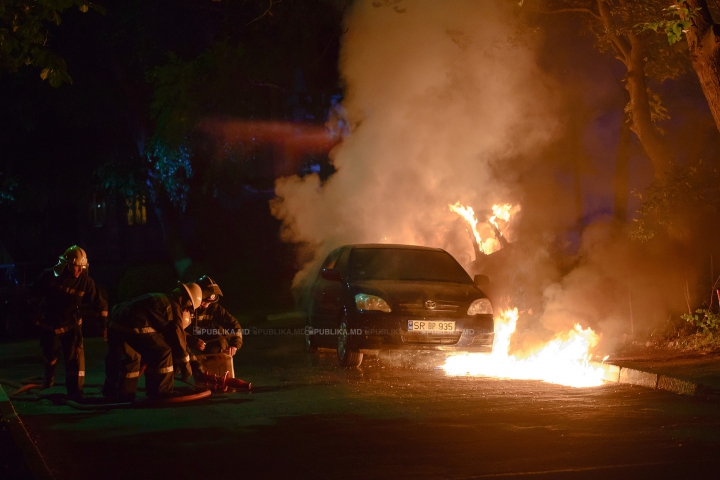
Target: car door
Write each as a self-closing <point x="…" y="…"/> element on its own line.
<point x="320" y="308"/>
<point x="336" y="292"/>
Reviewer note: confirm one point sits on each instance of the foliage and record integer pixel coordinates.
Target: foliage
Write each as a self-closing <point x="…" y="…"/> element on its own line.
<point x="620" y="21"/>
<point x="677" y="22"/>
<point x="680" y="203"/>
<point x="118" y="179"/>
<point x="658" y="112"/>
<point x="171" y="169"/>
<point x="705" y="320"/>
<point x="8" y="187"/>
<point x="165" y="170"/>
<point x="24" y="35"/>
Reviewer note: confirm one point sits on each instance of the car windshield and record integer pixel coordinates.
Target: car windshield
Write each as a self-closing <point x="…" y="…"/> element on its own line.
<point x="405" y="264"/>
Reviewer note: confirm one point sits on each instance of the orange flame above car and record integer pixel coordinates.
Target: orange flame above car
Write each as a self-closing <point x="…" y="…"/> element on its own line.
<point x="488" y="241"/>
<point x="563" y="361"/>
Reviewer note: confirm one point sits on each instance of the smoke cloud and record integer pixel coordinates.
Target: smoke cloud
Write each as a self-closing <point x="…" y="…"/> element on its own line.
<point x="440" y="103"/>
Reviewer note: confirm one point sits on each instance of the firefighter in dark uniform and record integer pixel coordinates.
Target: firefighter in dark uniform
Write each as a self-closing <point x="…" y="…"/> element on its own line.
<point x="213" y="330"/>
<point x="60" y="290"/>
<point x="150" y="330"/>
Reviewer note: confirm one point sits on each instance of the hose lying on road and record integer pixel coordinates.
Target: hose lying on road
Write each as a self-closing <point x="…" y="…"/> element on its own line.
<point x="23" y="393"/>
<point x="147" y="402"/>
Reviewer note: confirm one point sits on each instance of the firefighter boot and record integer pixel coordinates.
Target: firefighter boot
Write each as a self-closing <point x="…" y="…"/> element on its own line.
<point x="49" y="375"/>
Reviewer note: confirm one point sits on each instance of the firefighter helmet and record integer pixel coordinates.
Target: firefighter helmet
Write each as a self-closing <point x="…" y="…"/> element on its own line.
<point x="192" y="293"/>
<point x="72" y="256"/>
<point x="210" y="290"/>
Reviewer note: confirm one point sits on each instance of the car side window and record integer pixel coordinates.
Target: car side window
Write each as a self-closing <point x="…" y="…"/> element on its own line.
<point x="331" y="259"/>
<point x="341" y="264"/>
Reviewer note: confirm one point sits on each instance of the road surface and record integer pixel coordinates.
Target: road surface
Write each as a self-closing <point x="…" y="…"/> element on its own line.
<point x="390" y="418"/>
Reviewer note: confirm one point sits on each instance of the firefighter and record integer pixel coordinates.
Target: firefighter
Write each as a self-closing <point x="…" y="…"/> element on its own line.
<point x="214" y="330"/>
<point x="149" y="329"/>
<point x="60" y="291"/>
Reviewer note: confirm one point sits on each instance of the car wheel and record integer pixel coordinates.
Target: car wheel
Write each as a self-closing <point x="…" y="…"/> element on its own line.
<point x="347" y="356"/>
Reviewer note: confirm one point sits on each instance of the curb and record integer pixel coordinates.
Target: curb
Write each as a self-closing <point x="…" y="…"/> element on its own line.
<point x="33" y="460"/>
<point x="631" y="376"/>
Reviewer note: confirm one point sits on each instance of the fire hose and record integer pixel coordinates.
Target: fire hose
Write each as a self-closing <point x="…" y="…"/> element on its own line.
<point x="222" y="383"/>
<point x="23" y="393"/>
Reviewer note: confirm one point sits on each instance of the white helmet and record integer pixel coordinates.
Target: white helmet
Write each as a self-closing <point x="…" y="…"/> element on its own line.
<point x="72" y="256"/>
<point x="193" y="292"/>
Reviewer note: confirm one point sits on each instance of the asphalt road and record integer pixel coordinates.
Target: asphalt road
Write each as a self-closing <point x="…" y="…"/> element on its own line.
<point x="308" y="418"/>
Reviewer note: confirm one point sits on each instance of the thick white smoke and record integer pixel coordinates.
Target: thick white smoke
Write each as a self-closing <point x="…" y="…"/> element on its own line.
<point x="439" y="102"/>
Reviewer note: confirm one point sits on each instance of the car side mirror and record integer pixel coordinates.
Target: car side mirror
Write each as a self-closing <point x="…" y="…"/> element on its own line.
<point x="331" y="274"/>
<point x="481" y="281"/>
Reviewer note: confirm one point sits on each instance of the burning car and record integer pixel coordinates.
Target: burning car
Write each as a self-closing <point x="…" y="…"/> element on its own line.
<point x="383" y="297"/>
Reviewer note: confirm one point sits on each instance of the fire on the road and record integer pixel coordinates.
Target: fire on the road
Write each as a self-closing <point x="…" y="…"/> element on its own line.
<point x="564" y="360"/>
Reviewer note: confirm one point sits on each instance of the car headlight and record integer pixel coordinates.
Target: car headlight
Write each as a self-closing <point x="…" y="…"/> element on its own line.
<point x="480" y="306"/>
<point x="371" y="302"/>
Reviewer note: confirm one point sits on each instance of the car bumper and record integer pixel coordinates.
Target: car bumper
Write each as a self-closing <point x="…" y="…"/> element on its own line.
<point x="376" y="331"/>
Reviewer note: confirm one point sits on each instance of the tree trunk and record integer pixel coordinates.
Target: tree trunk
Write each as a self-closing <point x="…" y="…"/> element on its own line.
<point x="622" y="171"/>
<point x="656" y="148"/>
<point x="703" y="39"/>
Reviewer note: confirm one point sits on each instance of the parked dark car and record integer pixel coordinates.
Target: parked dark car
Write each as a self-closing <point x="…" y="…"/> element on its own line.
<point x="384" y="297"/>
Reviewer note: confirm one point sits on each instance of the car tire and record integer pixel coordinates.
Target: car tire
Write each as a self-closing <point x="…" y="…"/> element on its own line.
<point x="347" y="356"/>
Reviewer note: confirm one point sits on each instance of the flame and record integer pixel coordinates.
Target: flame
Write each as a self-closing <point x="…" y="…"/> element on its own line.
<point x="503" y="213"/>
<point x="564" y="360"/>
<point x="468" y="214"/>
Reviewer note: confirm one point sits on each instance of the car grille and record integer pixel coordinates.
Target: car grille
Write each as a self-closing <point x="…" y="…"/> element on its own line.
<point x="486" y="339"/>
<point x="442" y="306"/>
<point x="430" y="339"/>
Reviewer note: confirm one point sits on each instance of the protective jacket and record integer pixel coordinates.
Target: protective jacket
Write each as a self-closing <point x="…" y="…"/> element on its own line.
<point x="147" y="329"/>
<point x="62" y="296"/>
<point x="60" y="323"/>
<point x="215" y="322"/>
<point x="154" y="313"/>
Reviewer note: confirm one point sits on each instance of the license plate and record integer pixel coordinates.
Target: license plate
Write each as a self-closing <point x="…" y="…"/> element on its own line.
<point x="430" y="326"/>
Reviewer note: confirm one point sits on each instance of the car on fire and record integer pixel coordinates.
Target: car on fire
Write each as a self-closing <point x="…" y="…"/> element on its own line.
<point x="372" y="297"/>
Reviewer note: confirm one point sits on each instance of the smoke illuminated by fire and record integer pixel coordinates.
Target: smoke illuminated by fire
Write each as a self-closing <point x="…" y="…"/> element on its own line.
<point x="427" y="127"/>
<point x="564" y="360"/>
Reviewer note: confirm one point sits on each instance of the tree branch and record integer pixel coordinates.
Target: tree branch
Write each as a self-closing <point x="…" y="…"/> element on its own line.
<point x="266" y="12"/>
<point x="575" y="9"/>
<point x="619" y="44"/>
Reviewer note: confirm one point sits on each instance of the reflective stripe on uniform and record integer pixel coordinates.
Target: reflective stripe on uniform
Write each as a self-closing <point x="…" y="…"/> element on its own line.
<point x="81" y="373"/>
<point x="123" y="328"/>
<point x="169" y="369"/>
<point x="186" y="359"/>
<point x="132" y="374"/>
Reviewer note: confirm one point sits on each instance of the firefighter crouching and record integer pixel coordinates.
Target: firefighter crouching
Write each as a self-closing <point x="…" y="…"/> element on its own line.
<point x="60" y="290"/>
<point x="149" y="328"/>
<point x="213" y="330"/>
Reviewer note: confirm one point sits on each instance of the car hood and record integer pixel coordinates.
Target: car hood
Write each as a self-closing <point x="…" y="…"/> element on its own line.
<point x="396" y="291"/>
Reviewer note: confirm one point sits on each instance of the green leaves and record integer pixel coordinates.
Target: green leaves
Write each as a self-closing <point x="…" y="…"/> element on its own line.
<point x="677" y="22"/>
<point x="705" y="320"/>
<point x="24" y="36"/>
